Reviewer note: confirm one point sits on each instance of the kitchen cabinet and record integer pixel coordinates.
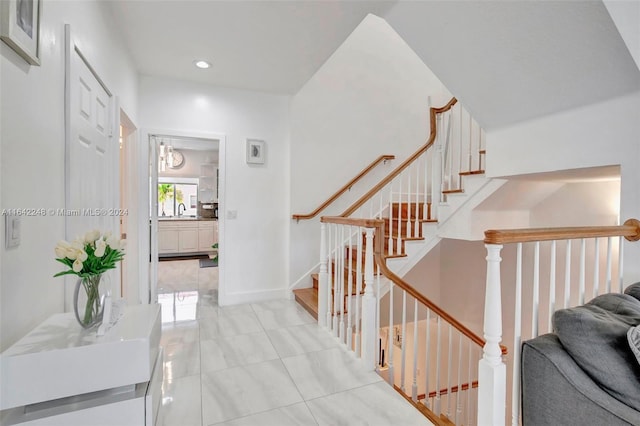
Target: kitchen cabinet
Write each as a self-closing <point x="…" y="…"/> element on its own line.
<point x="208" y="189"/>
<point x="167" y="237"/>
<point x="186" y="236"/>
<point x="207" y="234"/>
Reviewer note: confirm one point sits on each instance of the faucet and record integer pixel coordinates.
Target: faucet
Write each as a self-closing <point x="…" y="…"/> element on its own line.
<point x="181" y="205"/>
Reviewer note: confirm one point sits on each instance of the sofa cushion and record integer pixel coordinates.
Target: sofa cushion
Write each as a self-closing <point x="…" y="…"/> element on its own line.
<point x="595" y="335"/>
<point x="633" y="290"/>
<point x="633" y="336"/>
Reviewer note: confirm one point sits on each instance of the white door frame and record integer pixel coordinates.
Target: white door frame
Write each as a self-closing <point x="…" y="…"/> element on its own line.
<point x="148" y="217"/>
<point x="130" y="263"/>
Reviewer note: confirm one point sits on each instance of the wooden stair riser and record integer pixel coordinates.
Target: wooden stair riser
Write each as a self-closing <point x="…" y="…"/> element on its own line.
<point x="406" y="210"/>
<point x="410" y="227"/>
<point x="354" y="284"/>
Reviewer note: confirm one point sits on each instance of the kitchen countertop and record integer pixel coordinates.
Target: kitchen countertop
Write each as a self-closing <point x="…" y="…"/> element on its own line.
<point x="185" y="218"/>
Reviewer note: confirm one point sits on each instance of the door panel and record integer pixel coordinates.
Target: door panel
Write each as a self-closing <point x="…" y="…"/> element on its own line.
<point x="91" y="162"/>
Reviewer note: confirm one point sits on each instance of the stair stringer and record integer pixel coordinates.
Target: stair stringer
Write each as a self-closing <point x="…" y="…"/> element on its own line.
<point x="456" y="211"/>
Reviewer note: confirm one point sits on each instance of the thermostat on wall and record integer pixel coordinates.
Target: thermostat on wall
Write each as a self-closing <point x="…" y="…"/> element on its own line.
<point x="11" y="231"/>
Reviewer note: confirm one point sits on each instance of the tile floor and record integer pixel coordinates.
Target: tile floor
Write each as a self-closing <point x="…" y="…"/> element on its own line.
<point x="259" y="364"/>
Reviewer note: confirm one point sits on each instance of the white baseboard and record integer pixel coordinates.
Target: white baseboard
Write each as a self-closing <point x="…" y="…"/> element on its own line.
<point x="254" y="296"/>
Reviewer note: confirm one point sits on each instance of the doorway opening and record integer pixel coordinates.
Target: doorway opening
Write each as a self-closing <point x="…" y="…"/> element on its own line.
<point x="185" y="195"/>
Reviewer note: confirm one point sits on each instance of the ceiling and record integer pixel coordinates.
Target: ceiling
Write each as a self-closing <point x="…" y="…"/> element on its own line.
<point x="505" y="61"/>
<point x="510" y="61"/>
<point x="271" y="46"/>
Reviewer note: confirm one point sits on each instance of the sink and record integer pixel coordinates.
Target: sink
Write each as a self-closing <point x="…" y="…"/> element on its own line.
<point x="183" y="217"/>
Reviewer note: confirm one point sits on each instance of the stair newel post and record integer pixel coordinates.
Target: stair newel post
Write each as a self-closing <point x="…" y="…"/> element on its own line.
<point x="323" y="278"/>
<point x="369" y="333"/>
<point x="491" y="369"/>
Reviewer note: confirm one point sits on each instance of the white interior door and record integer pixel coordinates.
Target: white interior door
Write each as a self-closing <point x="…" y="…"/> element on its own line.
<point x="91" y="153"/>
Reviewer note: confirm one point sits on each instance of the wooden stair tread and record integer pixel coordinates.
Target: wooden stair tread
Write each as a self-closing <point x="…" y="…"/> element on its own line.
<point x="472" y="172"/>
<point x="308" y="299"/>
<point x="453" y="191"/>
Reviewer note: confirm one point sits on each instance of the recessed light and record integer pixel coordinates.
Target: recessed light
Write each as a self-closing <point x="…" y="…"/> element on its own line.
<point x="202" y="64"/>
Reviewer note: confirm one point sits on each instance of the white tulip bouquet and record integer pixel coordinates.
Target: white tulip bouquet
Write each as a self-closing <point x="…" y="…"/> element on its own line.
<point x="89" y="257"/>
<point x="92" y="254"/>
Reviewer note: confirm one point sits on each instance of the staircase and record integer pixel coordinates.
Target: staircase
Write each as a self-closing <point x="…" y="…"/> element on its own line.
<point x="410" y="231"/>
<point x="408" y="210"/>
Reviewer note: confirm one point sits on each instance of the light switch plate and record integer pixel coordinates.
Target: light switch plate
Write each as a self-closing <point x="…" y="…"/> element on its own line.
<point x="12" y="231"/>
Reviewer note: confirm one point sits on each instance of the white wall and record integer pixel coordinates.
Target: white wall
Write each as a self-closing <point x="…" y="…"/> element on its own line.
<point x="193" y="159"/>
<point x="369" y="98"/>
<point x="605" y="133"/>
<point x="254" y="247"/>
<point x="32" y="161"/>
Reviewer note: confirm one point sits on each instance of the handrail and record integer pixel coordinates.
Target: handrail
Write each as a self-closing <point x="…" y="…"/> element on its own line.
<point x="345" y="188"/>
<point x="407" y="162"/>
<point x="380" y="259"/>
<point x="630" y="230"/>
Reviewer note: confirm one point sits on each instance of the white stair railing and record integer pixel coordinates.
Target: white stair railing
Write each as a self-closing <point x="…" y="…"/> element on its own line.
<point x="411" y="194"/>
<point x="550" y="256"/>
<point x="422" y="351"/>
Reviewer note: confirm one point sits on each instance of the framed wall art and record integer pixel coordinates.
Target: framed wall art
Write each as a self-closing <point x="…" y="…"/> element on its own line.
<point x="20" y="27"/>
<point x="256" y="151"/>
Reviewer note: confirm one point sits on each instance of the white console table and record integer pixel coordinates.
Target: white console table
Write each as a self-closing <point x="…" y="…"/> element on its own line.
<point x="62" y="374"/>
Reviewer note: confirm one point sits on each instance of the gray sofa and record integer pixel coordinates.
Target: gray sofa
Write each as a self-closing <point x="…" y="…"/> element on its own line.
<point x="588" y="371"/>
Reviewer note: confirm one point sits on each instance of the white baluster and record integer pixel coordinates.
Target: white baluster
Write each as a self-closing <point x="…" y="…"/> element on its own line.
<point x="470" y="382"/>
<point x="438" y="353"/>
<point x="407" y="232"/>
<point x="336" y="290"/>
<point x="567" y="275"/>
<point x="416" y="218"/>
<point x="552" y="287"/>
<point x="517" y="340"/>
<point x="426" y="195"/>
<point x="329" y="277"/>
<point x="535" y="307"/>
<point x="399" y="235"/>
<point x="449" y="366"/>
<point x="391" y="246"/>
<point x="340" y="267"/>
<point x="581" y="279"/>
<point x="427" y="364"/>
<point x="378" y="296"/>
<point x="414" y="386"/>
<point x="457" y="170"/>
<point x="620" y="264"/>
<point x="470" y="142"/>
<point x="596" y="268"/>
<point x="608" y="278"/>
<point x="390" y="339"/>
<point x="360" y="258"/>
<point x="491" y="369"/>
<point x="349" y="334"/>
<point x="323" y="278"/>
<point x="403" y="341"/>
<point x="459" y="373"/>
<point x="369" y="334"/>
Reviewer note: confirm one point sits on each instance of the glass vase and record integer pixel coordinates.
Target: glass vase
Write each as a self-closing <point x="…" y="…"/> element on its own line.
<point x="88" y="300"/>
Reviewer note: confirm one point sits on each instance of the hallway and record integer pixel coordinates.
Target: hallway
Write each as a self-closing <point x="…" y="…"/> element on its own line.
<point x="259" y="364"/>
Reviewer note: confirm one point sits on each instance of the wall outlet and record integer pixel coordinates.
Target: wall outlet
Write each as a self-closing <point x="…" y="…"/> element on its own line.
<point x="232" y="214"/>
